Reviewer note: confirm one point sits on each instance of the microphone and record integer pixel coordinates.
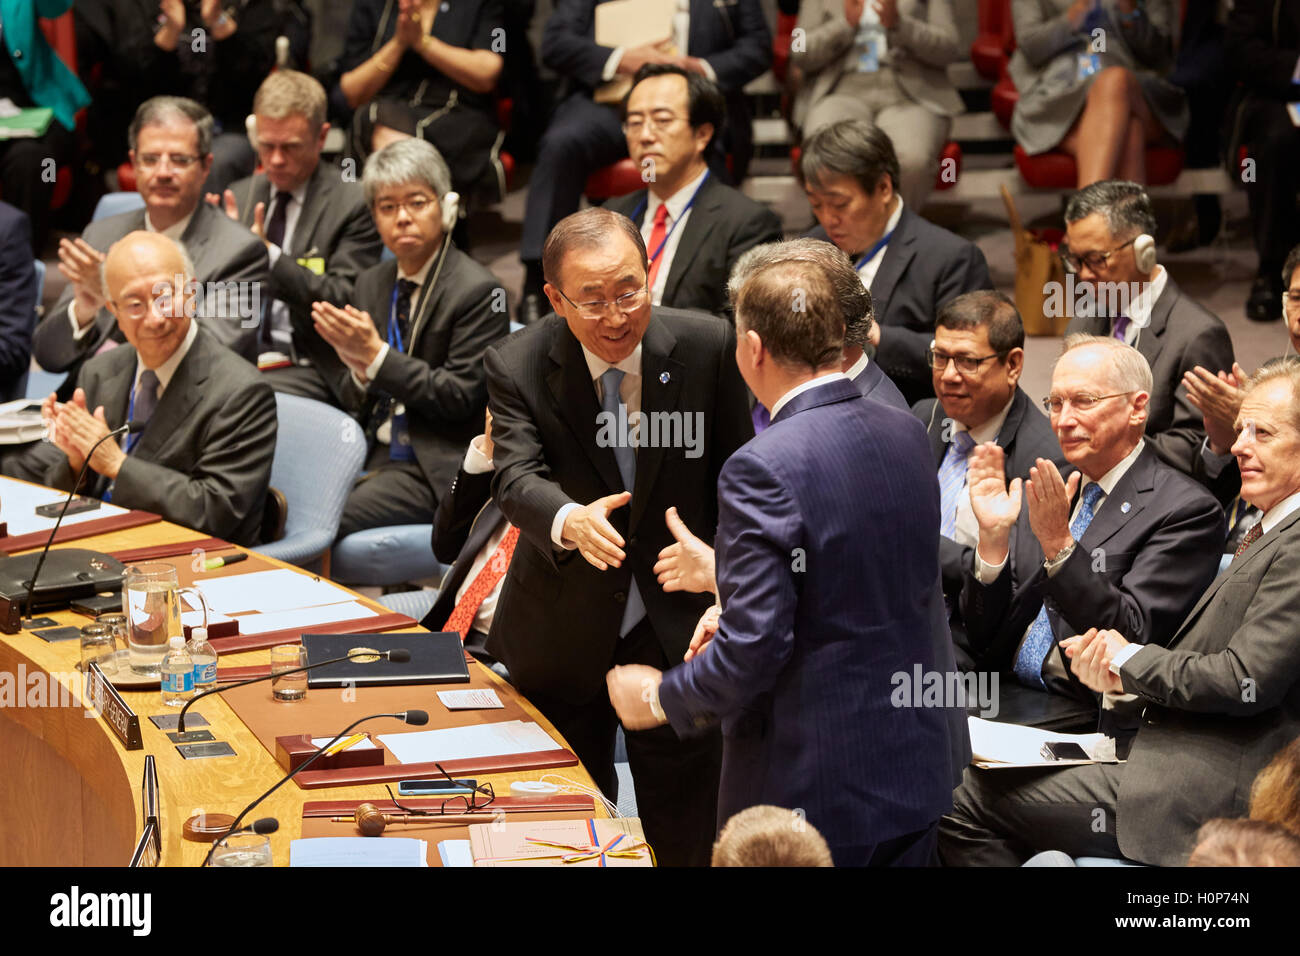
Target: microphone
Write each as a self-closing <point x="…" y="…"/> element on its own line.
<point x="416" y="718"/>
<point x="398" y="655"/>
<point x="130" y="428"/>
<point x="262" y="826"/>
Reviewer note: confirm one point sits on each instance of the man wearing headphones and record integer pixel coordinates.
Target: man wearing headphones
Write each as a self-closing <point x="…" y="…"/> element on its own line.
<point x="413" y="340"/>
<point x="1119" y="290"/>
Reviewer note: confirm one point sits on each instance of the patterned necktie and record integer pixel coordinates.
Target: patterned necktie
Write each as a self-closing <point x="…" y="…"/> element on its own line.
<point x="657" y="236"/>
<point x="405" y="290"/>
<point x="625" y="456"/>
<point x="484" y="583"/>
<point x="1120" y="327"/>
<point x="275" y="227"/>
<point x="1253" y="535"/>
<point x="952" y="479"/>
<point x="762" y="418"/>
<point x="1033" y="651"/>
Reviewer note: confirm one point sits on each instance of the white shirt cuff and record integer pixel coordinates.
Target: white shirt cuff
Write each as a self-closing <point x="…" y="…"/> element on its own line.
<point x="274" y="252"/>
<point x="1214" y="463"/>
<point x="78" y="333"/>
<point x="1122" y="657"/>
<point x="372" y="370"/>
<point x="557" y="526"/>
<point x="476" y="463"/>
<point x="708" y="70"/>
<point x="986" y="573"/>
<point x="611" y="65"/>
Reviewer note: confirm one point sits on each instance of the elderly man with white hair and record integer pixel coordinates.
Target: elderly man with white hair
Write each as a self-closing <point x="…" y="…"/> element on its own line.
<point x="413" y="337"/>
<point x="207" y="422"/>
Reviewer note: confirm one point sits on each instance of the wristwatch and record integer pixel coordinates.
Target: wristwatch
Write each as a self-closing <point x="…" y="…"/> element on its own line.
<point x="1051" y="564"/>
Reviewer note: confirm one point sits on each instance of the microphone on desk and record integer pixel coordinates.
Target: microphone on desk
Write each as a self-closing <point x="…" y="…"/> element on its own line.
<point x="416" y="718"/>
<point x="130" y="428"/>
<point x="398" y="655"/>
<point x="262" y="826"/>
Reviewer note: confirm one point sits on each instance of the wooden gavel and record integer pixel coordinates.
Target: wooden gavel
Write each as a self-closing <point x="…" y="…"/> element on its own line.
<point x="372" y="821"/>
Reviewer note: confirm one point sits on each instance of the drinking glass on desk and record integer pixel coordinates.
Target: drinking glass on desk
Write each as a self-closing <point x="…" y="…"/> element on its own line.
<point x="292" y="686"/>
<point x="243" y="849"/>
<point x="98" y="647"/>
<point x="151" y="603"/>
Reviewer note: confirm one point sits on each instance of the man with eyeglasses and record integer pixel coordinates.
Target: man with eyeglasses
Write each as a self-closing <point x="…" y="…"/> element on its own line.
<point x="1117" y="540"/>
<point x="412" y="337"/>
<point x="1109" y="228"/>
<point x="317" y="229"/>
<point x="976" y="358"/>
<point x="695" y="226"/>
<point x="1217" y="702"/>
<point x="171" y="152"/>
<point x="604" y="415"/>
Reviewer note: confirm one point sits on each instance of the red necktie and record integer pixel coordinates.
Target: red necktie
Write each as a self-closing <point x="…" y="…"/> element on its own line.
<point x="462" y="616"/>
<point x="657" y="236"/>
<point x="1253" y="535"/>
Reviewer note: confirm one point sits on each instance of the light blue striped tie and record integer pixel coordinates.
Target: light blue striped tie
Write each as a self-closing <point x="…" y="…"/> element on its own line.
<point x="625" y="456"/>
<point x="952" y="479"/>
<point x="1033" y="651"/>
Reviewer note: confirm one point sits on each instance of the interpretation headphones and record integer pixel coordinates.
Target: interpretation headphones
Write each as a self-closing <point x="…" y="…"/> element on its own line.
<point x="450" y="210"/>
<point x="1144" y="253"/>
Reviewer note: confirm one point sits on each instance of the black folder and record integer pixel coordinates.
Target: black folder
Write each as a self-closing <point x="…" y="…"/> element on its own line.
<point x="435" y="659"/>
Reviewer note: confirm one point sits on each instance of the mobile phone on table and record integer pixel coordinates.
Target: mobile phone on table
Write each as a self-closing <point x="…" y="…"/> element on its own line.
<point x="435" y="788"/>
<point x="76" y="507"/>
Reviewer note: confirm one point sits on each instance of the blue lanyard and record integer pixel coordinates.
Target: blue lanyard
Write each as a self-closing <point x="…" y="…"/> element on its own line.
<point x="130" y="417"/>
<point x="871" y="253"/>
<point x="644" y="202"/>
<point x="394" y="332"/>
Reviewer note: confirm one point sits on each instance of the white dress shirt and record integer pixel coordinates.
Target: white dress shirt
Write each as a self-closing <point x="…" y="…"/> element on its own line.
<point x="1140" y="306"/>
<point x="630" y="393"/>
<point x="477" y="463"/>
<point x="804" y="387"/>
<point x="867" y="271"/>
<point x="966" y="531"/>
<point x="678" y="214"/>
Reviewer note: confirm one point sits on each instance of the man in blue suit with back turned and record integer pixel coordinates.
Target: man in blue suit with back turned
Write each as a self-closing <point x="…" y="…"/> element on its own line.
<point x="826" y="566"/>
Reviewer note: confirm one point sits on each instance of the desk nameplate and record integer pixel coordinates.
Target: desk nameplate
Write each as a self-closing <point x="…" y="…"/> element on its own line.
<point x="108" y="703"/>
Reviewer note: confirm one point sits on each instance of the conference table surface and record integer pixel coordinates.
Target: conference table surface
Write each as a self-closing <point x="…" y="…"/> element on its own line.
<point x="72" y="792"/>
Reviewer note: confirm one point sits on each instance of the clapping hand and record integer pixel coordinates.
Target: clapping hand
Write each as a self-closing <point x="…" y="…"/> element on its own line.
<point x="79" y="263"/>
<point x="1090" y="657"/>
<point x="1218" y="399"/>
<point x="350" y="331"/>
<point x="1048" y="496"/>
<point x="996" y="504"/>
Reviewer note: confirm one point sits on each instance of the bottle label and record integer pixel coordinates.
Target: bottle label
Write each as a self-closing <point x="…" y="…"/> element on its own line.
<point x="205" y="673"/>
<point x="178" y="683"/>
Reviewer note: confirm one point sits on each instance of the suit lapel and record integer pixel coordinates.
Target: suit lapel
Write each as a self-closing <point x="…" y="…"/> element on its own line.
<point x="313" y="207"/>
<point x="570" y="384"/>
<point x="934" y="430"/>
<point x="661" y="385"/>
<point x="1011" y="424"/>
<point x="694" y="233"/>
<point x="196" y="236"/>
<point x="259" y="191"/>
<point x="1151" y="339"/>
<point x="177" y="401"/>
<point x="898" y="255"/>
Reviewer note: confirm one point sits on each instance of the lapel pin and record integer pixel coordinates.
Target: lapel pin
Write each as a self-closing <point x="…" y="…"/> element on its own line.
<point x="1125" y="507"/>
<point x="664" y="378"/>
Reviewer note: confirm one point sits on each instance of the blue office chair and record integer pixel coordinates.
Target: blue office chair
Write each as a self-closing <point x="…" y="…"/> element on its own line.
<point x="319" y="452"/>
<point x="113" y="204"/>
<point x="414" y="604"/>
<point x="387" y="556"/>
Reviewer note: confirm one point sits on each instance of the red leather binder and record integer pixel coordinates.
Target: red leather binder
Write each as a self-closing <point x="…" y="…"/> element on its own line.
<point x="293" y="635"/>
<point x="82" y="529"/>
<point x="155" y="551"/>
<point x="389" y="773"/>
<point x="540" y="803"/>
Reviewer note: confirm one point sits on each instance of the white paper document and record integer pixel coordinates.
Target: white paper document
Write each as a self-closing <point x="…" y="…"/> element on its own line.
<point x="358" y="851"/>
<point x="19" y="501"/>
<point x="465" y="743"/>
<point x="478" y="698"/>
<point x="995" y="744"/>
<point x="633" y="22"/>
<point x="456" y="853"/>
<point x="269" y="591"/>
<point x="302" y="617"/>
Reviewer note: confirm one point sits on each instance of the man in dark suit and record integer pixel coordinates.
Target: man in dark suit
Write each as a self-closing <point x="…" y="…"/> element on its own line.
<point x="19" y="290"/>
<point x="849" y="171"/>
<point x="1124" y="541"/>
<point x="413" y="342"/>
<point x="807" y="653"/>
<point x="1219" y="701"/>
<point x="727" y="42"/>
<point x="670" y="117"/>
<point x="318" y="232"/>
<point x="204" y="457"/>
<point x="1108" y="227"/>
<point x="588" y="459"/>
<point x="979" y="342"/>
<point x="171" y="152"/>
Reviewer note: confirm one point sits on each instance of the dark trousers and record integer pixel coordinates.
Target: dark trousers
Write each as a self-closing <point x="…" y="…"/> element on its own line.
<point x="301" y="380"/>
<point x="28" y="170"/>
<point x="912" y="849"/>
<point x="392" y="492"/>
<point x="1003" y="817"/>
<point x="676" y="780"/>
<point x="1275" y="147"/>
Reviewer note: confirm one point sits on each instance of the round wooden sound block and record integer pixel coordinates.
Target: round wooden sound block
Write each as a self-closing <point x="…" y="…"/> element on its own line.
<point x="204" y="828"/>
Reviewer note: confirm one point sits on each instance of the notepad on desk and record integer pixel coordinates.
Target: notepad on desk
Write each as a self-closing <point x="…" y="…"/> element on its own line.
<point x="266" y="592"/>
<point x="358" y="851"/>
<point x="1000" y="746"/>
<point x="499" y="739"/>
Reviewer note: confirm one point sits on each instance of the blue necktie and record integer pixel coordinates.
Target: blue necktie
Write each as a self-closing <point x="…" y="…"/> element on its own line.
<point x="625" y="456"/>
<point x="952" y="479"/>
<point x="1033" y="651"/>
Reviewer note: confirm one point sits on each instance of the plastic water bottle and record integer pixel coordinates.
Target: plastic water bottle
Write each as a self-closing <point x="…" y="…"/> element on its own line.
<point x="177" y="674"/>
<point x="204" y="656"/>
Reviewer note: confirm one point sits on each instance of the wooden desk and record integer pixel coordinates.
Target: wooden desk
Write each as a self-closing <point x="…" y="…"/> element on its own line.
<point x="70" y="793"/>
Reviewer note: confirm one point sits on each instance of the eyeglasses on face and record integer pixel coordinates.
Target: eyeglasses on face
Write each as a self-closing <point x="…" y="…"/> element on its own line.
<point x="626" y="303"/>
<point x="663" y="121"/>
<point x="175" y="160"/>
<point x="1095" y="261"/>
<point x="415" y="205"/>
<point x="1080" y="402"/>
<point x="966" y="364"/>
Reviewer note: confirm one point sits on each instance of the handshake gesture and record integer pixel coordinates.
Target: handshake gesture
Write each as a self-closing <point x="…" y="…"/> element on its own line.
<point x="997" y="504"/>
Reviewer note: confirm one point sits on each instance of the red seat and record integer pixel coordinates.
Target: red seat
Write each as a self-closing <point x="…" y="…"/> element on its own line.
<point x="617" y="179"/>
<point x="951" y="150"/>
<point x="785" y="24"/>
<point x="995" y="40"/>
<point x="1058" y="170"/>
<point x="1003" y="100"/>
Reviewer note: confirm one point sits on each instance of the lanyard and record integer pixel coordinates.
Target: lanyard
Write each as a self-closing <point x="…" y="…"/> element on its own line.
<point x="871" y="253"/>
<point x="395" y="332"/>
<point x="641" y="207"/>
<point x="130" y="417"/>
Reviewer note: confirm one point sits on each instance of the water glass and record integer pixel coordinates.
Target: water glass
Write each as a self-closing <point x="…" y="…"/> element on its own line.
<point x="286" y="657"/>
<point x="243" y="849"/>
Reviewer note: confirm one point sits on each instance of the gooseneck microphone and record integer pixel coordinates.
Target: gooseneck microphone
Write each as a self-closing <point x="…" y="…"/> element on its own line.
<point x="130" y="428"/>
<point x="398" y="655"/>
<point x="416" y="718"/>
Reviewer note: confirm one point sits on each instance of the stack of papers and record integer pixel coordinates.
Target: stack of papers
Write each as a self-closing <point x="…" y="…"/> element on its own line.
<point x="455" y="853"/>
<point x="281" y="599"/>
<point x="560" y="843"/>
<point x="999" y="745"/>
<point x="358" y="851"/>
<point x="21" y="422"/>
<point x="500" y="739"/>
<point x="19" y="501"/>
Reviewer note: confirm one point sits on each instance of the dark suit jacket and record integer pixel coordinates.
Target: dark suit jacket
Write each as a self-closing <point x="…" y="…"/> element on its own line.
<point x="222" y="251"/>
<point x="1181" y="336"/>
<point x="557" y="621"/>
<point x="804" y="670"/>
<point x="875" y="384"/>
<point x="1146" y="557"/>
<point x="335" y="225"/>
<point x="440" y="377"/>
<point x="1262" y="41"/>
<point x="204" y="460"/>
<point x="723" y="224"/>
<point x="18" y="294"/>
<point x="925" y="266"/>
<point x="1025" y="436"/>
<point x="465" y="521"/>
<point x="1221" y="700"/>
